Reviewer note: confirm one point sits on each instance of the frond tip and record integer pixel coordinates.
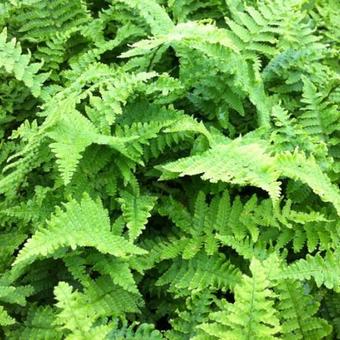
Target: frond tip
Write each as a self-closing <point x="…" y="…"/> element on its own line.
<point x="136" y="211"/>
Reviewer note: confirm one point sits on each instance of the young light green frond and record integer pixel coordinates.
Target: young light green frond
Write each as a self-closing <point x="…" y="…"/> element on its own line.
<point x="153" y="14"/>
<point x="236" y="163"/>
<point x="15" y="62"/>
<point x="71" y="142"/>
<point x="106" y="107"/>
<point x="15" y="295"/>
<point x="80" y="323"/>
<point x="5" y="318"/>
<point x="324" y="270"/>
<point x="201" y="33"/>
<point x="253" y="315"/>
<point x="68" y="147"/>
<point x="245" y="248"/>
<point x="297" y="166"/>
<point x="297" y="310"/>
<point x="99" y="300"/>
<point x="136" y="211"/>
<point x="84" y="224"/>
<point x="187" y="123"/>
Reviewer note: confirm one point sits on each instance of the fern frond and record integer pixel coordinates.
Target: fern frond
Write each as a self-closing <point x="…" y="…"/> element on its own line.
<point x="39" y="324"/>
<point x="199" y="273"/>
<point x="79" y="323"/>
<point x="297" y="166"/>
<point x="298" y="310"/>
<point x="40" y="20"/>
<point x="100" y="299"/>
<point x="186" y="123"/>
<point x="84" y="224"/>
<point x="136" y="211"/>
<point x="196" y="311"/>
<point x="245" y="248"/>
<point x="319" y="118"/>
<point x="114" y="95"/>
<point x="5" y="318"/>
<point x="266" y="29"/>
<point x="71" y="142"/>
<point x="235" y="162"/>
<point x="287" y="59"/>
<point x="135" y="332"/>
<point x="331" y="304"/>
<point x="252" y="316"/>
<point x="13" y="61"/>
<point x="153" y="14"/>
<point x="205" y="34"/>
<point x="324" y="270"/>
<point x="17" y="295"/>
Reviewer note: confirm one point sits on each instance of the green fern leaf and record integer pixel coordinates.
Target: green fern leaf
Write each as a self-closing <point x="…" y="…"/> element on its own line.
<point x="199" y="273"/>
<point x="118" y="270"/>
<point x="84" y="224"/>
<point x="153" y="14"/>
<point x="136" y="211"/>
<point x="252" y="316"/>
<point x="299" y="167"/>
<point x="39" y="324"/>
<point x="297" y="310"/>
<point x="324" y="270"/>
<point x="13" y="61"/>
<point x="100" y="299"/>
<point x="71" y="142"/>
<point x="319" y="118"/>
<point x="5" y="318"/>
<point x="236" y="163"/>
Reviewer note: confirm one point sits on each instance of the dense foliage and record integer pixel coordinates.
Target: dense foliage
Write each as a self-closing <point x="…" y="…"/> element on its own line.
<point x="169" y="169"/>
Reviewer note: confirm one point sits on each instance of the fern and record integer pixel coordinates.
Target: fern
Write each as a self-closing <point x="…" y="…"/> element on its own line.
<point x="154" y="15"/>
<point x="199" y="273"/>
<point x="298" y="309"/>
<point x="324" y="270"/>
<point x="249" y="164"/>
<point x="5" y="318"/>
<point x="136" y="211"/>
<point x="13" y="61"/>
<point x="86" y="224"/>
<point x="317" y="119"/>
<point x="39" y="324"/>
<point x="169" y="169"/>
<point x="197" y="308"/>
<point x="39" y="20"/>
<point x="119" y="272"/>
<point x="68" y="146"/>
<point x="252" y="316"/>
<point x="297" y="166"/>
<point x="136" y="332"/>
<point x="79" y="324"/>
